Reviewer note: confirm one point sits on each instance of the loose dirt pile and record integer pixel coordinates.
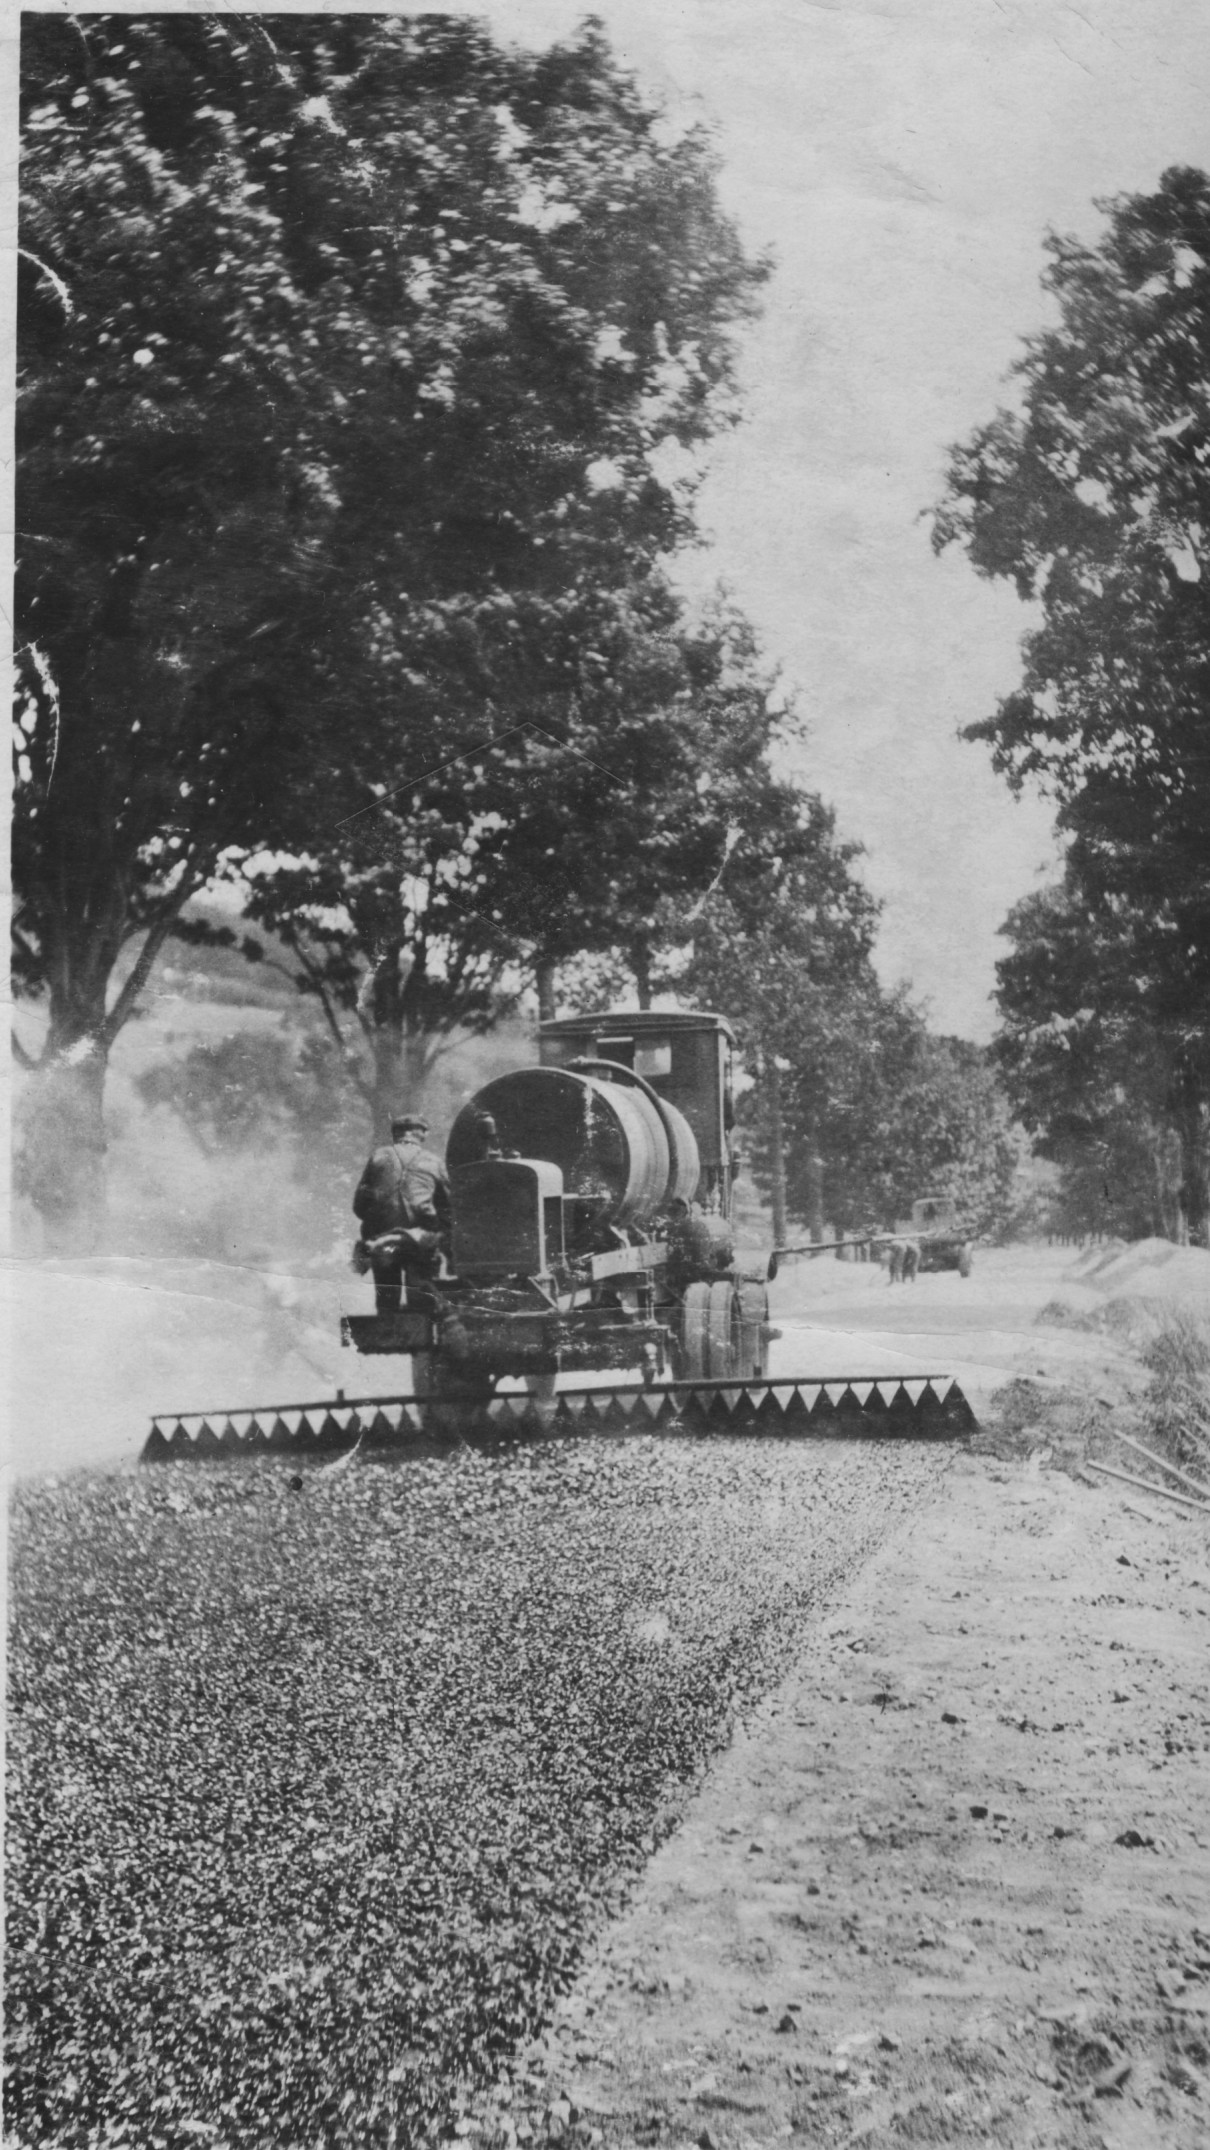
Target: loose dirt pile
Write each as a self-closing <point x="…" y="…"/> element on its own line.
<point x="1149" y="1269"/>
<point x="1131" y="1292"/>
<point x="1147" y="1407"/>
<point x="952" y="1885"/>
<point x="319" y="1784"/>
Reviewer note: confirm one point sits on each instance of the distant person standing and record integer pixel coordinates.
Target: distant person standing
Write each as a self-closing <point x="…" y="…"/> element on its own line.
<point x="403" y="1205"/>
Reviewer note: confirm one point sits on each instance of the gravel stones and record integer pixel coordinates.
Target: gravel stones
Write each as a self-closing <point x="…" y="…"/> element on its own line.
<point x="315" y="1793"/>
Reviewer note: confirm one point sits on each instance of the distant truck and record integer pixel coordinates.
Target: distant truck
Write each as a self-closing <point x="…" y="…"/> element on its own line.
<point x="945" y="1241"/>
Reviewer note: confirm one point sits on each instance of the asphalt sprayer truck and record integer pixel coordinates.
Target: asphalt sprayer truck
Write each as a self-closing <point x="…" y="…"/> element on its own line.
<point x="591" y="1233"/>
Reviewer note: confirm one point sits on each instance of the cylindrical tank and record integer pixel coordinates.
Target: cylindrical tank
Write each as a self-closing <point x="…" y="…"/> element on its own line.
<point x="686" y="1166"/>
<point x="609" y="1142"/>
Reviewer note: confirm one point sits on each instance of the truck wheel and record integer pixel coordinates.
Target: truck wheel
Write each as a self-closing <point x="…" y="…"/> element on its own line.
<point x="966" y="1262"/>
<point x="695" y="1326"/>
<point x="711" y="1333"/>
<point x="450" y="1402"/>
<point x="724" y="1335"/>
<point x="754" y="1331"/>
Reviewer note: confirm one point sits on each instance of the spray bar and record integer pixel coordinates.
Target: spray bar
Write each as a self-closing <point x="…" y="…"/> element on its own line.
<point x="920" y="1407"/>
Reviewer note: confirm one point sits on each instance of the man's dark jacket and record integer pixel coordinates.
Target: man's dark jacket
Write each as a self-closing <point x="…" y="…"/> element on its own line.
<point x="401" y="1189"/>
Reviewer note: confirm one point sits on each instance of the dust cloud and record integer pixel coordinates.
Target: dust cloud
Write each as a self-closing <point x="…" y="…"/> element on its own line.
<point x="224" y="1262"/>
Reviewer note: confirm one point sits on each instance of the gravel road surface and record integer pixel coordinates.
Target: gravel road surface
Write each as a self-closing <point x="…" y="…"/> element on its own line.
<point x="319" y="1783"/>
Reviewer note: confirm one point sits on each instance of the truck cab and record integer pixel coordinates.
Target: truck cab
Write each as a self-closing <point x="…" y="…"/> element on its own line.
<point x="933" y="1213"/>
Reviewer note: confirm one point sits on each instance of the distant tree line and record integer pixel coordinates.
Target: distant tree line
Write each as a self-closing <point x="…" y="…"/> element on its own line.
<point x="1092" y="496"/>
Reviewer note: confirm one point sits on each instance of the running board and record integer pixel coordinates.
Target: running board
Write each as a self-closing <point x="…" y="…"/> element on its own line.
<point x="923" y="1408"/>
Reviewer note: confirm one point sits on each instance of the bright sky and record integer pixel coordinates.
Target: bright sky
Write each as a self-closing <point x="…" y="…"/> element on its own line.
<point x="903" y="159"/>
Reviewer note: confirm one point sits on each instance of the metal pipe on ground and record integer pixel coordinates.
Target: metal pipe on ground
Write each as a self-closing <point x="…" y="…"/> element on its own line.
<point x="1196" y="1485"/>
<point x="1131" y="1478"/>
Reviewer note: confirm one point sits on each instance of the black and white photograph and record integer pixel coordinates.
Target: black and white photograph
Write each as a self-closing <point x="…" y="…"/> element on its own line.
<point x="607" y="1288"/>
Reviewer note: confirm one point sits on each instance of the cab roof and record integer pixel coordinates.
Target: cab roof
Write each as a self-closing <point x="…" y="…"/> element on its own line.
<point x="637" y="1022"/>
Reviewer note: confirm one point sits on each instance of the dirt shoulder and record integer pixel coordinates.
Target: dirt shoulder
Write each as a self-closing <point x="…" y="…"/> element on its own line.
<point x="952" y="1882"/>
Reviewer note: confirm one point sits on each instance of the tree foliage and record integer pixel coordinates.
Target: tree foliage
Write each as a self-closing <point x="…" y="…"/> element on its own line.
<point x="334" y="335"/>
<point x="791" y="918"/>
<point x="250" y="1090"/>
<point x="1093" y="1076"/>
<point x="854" y="1108"/>
<point x="597" y="830"/>
<point x="1093" y="498"/>
<point x="894" y="1112"/>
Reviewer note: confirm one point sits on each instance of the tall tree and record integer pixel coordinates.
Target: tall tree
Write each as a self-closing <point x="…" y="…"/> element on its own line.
<point x="330" y="329"/>
<point x="627" y="768"/>
<point x="783" y="947"/>
<point x="1093" y="498"/>
<point x="875" y="1110"/>
<point x="1094" y="1077"/>
<point x="628" y="772"/>
<point x="854" y="1107"/>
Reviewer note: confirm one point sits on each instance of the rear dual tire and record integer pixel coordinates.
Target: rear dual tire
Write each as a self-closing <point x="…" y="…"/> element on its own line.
<point x="754" y="1330"/>
<point x="724" y="1332"/>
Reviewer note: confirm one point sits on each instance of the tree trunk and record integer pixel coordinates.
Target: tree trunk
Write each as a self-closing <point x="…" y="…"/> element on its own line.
<point x="777" y="1157"/>
<point x="61" y="1159"/>
<point x="1195" y="1181"/>
<point x="1163" y="1217"/>
<point x="546" y="977"/>
<point x="421" y="1051"/>
<point x="640" y="963"/>
<point x="1192" y="1122"/>
<point x="815" y="1221"/>
<point x="383" y="1008"/>
<point x="60" y="1162"/>
<point x="401" y="1063"/>
<point x="387" y="1094"/>
<point x="403" y="1050"/>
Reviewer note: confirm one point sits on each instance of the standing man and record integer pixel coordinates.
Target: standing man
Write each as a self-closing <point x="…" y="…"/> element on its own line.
<point x="403" y="1204"/>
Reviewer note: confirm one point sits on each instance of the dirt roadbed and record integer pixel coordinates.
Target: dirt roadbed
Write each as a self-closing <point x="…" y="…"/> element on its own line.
<point x="951" y="1884"/>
